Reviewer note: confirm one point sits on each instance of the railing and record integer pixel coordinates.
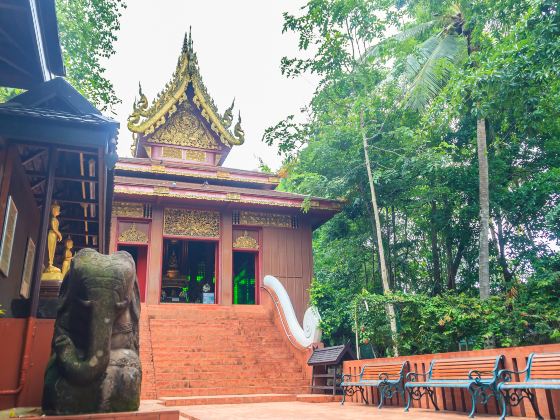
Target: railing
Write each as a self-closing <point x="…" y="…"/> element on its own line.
<point x="459" y="400"/>
<point x="298" y="336"/>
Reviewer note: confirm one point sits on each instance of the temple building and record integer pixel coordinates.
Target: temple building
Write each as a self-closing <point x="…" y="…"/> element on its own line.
<point x="201" y="232"/>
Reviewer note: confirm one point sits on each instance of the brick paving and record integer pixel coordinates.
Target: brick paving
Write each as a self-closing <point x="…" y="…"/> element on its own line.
<point x="310" y="411"/>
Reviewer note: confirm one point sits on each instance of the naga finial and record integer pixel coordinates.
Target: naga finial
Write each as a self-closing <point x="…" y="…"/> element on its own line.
<point x="237" y="130"/>
<point x="142" y="103"/>
<point x="228" y="115"/>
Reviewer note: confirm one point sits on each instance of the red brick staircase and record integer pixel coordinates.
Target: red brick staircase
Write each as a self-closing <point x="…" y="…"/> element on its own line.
<point x="211" y="354"/>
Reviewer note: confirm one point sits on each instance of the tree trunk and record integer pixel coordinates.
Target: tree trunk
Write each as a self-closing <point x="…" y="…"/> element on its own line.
<point x="384" y="279"/>
<point x="484" y="198"/>
<point x="436" y="267"/>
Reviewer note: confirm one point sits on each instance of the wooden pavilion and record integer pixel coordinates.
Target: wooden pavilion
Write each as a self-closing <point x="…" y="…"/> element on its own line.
<point x="201" y="232"/>
<point x="56" y="151"/>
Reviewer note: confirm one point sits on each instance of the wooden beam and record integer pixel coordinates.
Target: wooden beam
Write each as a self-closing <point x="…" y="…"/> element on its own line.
<point x="38" y="184"/>
<point x="77" y="219"/>
<point x="42" y="242"/>
<point x="35" y="156"/>
<point x="74" y="201"/>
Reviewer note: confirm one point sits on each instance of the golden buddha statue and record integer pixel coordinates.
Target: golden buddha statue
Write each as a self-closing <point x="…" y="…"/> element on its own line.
<point x="68" y="245"/>
<point x="54" y="236"/>
<point x="173" y="266"/>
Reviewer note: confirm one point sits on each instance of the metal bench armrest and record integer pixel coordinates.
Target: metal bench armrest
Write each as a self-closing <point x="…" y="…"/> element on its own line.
<point x="506" y="375"/>
<point x="413" y="376"/>
<point x="348" y="376"/>
<point x="476" y="375"/>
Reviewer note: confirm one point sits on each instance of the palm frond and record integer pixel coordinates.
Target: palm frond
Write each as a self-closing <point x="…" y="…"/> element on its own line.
<point x="428" y="70"/>
<point x="414" y="31"/>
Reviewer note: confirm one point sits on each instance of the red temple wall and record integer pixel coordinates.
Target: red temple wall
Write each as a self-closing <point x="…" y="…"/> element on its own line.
<point x="283" y="252"/>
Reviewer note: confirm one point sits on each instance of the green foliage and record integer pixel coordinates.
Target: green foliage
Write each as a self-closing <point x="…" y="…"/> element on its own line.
<point x="450" y="62"/>
<point x="528" y="314"/>
<point x="88" y="30"/>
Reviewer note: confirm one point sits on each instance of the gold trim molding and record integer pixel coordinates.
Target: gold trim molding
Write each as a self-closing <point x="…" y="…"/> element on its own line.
<point x="132" y="234"/>
<point x="252" y="218"/>
<point x="191" y="223"/>
<point x="121" y="209"/>
<point x="172" y="153"/>
<point x="246" y="242"/>
<point x="195" y="155"/>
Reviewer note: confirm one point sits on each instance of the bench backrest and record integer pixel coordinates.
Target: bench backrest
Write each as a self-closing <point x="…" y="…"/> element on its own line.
<point x="543" y="366"/>
<point x="391" y="371"/>
<point x="459" y="369"/>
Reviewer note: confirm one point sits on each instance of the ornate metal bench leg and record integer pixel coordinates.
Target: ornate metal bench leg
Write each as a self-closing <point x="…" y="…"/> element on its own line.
<point x="504" y="397"/>
<point x="381" y="396"/>
<point x="474" y="394"/>
<point x="363" y="396"/>
<point x="408" y="399"/>
<point x="431" y="393"/>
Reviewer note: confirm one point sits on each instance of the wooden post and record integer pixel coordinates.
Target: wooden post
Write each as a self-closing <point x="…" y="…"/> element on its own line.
<point x="42" y="242"/>
<point x="155" y="256"/>
<point x="226" y="259"/>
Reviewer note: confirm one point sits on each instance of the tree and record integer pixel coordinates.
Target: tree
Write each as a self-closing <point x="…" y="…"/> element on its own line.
<point x="383" y="267"/>
<point x="428" y="71"/>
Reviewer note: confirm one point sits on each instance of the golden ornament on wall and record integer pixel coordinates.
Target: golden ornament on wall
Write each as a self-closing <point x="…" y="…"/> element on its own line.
<point x="252" y="218"/>
<point x="191" y="223"/>
<point x="172" y="153"/>
<point x="246" y="242"/>
<point x="121" y="209"/>
<point x="195" y="155"/>
<point x="132" y="234"/>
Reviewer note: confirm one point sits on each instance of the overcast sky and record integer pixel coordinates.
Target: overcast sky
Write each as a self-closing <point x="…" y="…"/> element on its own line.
<point x="239" y="46"/>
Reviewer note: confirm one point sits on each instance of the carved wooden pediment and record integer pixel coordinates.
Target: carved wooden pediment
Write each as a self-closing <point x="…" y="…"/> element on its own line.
<point x="184" y="128"/>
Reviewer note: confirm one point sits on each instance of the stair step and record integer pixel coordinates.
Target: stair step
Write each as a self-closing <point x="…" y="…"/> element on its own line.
<point x="246" y="399"/>
<point x="192" y="392"/>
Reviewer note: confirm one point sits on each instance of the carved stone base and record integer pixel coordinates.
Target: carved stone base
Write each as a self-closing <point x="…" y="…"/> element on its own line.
<point x="48" y="299"/>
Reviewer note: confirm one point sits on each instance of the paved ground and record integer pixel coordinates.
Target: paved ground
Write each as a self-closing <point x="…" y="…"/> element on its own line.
<point x="311" y="411"/>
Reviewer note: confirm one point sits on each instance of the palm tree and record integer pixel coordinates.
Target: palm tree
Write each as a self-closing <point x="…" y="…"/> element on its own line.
<point x="427" y="72"/>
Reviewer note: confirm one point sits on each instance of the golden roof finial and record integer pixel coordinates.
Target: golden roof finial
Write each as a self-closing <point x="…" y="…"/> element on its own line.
<point x="228" y="115"/>
<point x="237" y="130"/>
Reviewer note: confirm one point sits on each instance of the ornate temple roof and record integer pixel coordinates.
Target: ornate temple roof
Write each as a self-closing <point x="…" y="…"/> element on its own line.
<point x="146" y="119"/>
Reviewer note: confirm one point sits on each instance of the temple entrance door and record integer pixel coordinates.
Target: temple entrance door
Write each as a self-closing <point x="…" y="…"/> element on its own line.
<point x="244" y="277"/>
<point x="140" y="255"/>
<point x="189" y="271"/>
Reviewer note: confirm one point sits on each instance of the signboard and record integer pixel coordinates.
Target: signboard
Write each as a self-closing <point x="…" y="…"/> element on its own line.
<point x="208" y="298"/>
<point x="27" y="269"/>
<point x="10" y="221"/>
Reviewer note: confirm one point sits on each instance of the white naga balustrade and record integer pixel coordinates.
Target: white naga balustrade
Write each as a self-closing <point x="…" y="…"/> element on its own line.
<point x="311" y="331"/>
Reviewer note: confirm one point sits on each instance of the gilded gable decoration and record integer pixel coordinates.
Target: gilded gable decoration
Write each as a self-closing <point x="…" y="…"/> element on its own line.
<point x="121" y="209"/>
<point x="246" y="242"/>
<point x="132" y="234"/>
<point x="145" y="119"/>
<point x="184" y="129"/>
<point x="191" y="223"/>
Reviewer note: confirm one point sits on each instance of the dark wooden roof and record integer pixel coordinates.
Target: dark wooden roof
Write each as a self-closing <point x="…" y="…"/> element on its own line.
<point x="330" y="355"/>
<point x="30" y="50"/>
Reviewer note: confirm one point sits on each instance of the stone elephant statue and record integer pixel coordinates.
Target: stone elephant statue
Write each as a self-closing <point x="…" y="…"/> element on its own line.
<point x="95" y="365"/>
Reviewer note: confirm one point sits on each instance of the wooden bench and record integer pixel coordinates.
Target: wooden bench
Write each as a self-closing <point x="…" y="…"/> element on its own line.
<point x="542" y="372"/>
<point x="478" y="375"/>
<point x="387" y="377"/>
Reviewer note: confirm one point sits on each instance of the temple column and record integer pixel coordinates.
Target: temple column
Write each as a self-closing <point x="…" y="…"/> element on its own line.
<point x="226" y="258"/>
<point x="155" y="256"/>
